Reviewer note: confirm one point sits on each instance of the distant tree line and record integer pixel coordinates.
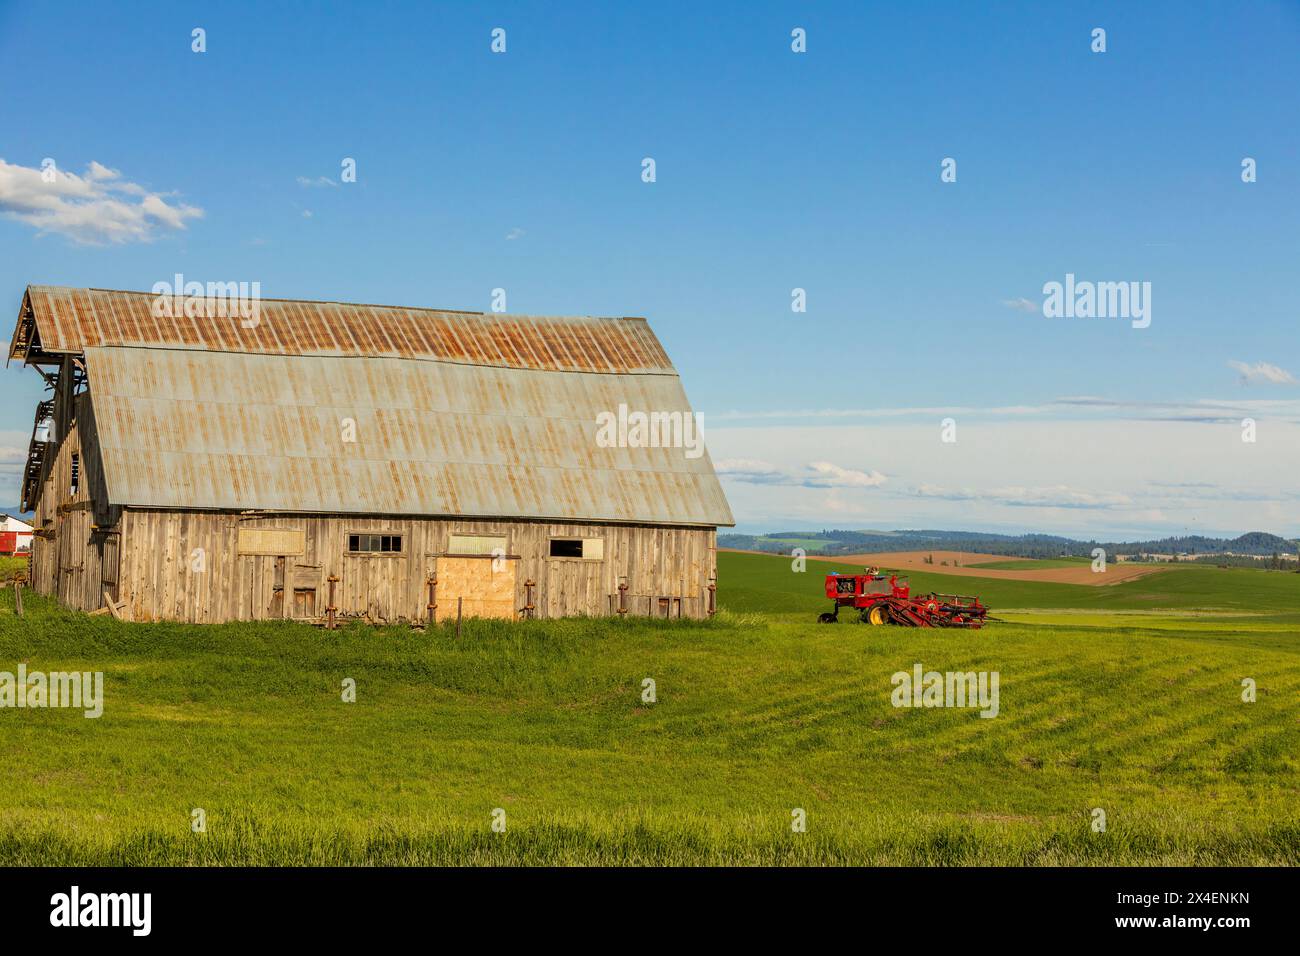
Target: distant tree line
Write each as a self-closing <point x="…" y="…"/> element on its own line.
<point x="842" y="541"/>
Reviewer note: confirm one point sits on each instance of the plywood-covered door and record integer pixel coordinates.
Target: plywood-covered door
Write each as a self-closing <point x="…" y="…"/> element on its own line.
<point x="485" y="587"/>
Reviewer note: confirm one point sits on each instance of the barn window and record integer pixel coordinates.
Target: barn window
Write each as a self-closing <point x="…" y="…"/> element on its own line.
<point x="589" y="549"/>
<point x="75" y="483"/>
<point x="375" y="543"/>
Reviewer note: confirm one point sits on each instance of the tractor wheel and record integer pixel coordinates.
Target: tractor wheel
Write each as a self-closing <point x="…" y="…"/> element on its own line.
<point x="827" y="618"/>
<point x="876" y="615"/>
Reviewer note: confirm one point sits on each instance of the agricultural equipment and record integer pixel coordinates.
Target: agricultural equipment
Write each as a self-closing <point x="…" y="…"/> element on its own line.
<point x="888" y="600"/>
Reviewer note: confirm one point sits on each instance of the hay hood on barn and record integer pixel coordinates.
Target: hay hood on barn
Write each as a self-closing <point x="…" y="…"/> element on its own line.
<point x="200" y="466"/>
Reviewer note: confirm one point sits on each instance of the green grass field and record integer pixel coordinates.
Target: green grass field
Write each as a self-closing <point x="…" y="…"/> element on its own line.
<point x="11" y="566"/>
<point x="811" y="545"/>
<point x="1125" y="698"/>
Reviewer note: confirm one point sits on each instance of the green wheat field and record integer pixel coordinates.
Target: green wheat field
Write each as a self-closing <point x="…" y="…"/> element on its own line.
<point x="1125" y="698"/>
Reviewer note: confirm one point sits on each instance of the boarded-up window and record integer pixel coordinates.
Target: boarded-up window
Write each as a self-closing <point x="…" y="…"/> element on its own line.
<point x="476" y="544"/>
<point x="476" y="587"/>
<point x="589" y="549"/>
<point x="272" y="541"/>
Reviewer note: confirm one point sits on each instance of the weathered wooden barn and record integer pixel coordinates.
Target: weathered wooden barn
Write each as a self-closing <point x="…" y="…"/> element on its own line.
<point x="200" y="468"/>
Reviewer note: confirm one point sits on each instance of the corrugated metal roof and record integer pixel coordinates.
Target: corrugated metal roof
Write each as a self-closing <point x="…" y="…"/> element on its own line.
<point x="73" y="320"/>
<point x="198" y="429"/>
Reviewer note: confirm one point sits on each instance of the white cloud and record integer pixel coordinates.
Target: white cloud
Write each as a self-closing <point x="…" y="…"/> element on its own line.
<point x="515" y="233"/>
<point x="828" y="475"/>
<point x="98" y="172"/>
<point x="308" y="183"/>
<point x="1209" y="411"/>
<point x="13" y="460"/>
<point x="1050" y="496"/>
<point x="818" y="474"/>
<point x="919" y="412"/>
<point x="1023" y="305"/>
<point x="92" y="209"/>
<point x="1261" y="372"/>
<point x="750" y="470"/>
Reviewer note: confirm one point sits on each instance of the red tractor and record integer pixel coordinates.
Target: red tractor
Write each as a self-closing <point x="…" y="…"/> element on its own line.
<point x="888" y="600"/>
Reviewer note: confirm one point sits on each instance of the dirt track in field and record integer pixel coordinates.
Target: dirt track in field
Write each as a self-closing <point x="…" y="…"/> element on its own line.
<point x="916" y="561"/>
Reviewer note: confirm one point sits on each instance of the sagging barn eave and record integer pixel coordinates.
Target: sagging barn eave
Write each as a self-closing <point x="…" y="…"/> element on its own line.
<point x="649" y="522"/>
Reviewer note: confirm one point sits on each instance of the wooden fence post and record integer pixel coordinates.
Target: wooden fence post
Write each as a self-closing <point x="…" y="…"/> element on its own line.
<point x="330" y="609"/>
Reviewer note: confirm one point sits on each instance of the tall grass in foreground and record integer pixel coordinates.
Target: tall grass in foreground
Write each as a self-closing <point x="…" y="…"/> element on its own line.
<point x="897" y="840"/>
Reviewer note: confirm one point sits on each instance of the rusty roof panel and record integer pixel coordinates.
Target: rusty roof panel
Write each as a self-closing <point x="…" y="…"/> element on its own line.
<point x="73" y="320"/>
<point x="189" y="428"/>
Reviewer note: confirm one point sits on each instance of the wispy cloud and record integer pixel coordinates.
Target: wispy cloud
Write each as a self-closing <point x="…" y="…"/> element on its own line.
<point x="1050" y="496"/>
<point x="320" y="181"/>
<point x="1023" y="305"/>
<point x="96" y="208"/>
<point x="825" y="474"/>
<point x="13" y="459"/>
<point x="1261" y="372"/>
<point x="1201" y="411"/>
<point x="906" y="412"/>
<point x="750" y="471"/>
<point x="515" y="233"/>
<point x="817" y="474"/>
<point x="1208" y="411"/>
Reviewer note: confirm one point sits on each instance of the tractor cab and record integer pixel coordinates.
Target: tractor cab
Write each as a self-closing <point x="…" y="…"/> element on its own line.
<point x="863" y="590"/>
<point x="854" y="588"/>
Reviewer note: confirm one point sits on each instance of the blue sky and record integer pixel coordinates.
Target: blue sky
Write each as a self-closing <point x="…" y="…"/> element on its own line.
<point x="775" y="170"/>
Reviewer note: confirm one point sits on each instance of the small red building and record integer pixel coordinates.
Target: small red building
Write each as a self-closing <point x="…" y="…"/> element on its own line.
<point x="15" y="535"/>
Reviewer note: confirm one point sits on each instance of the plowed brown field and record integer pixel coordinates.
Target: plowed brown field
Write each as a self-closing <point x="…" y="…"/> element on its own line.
<point x="916" y="561"/>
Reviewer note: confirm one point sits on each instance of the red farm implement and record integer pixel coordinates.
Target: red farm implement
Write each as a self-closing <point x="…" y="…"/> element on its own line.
<point x="888" y="600"/>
